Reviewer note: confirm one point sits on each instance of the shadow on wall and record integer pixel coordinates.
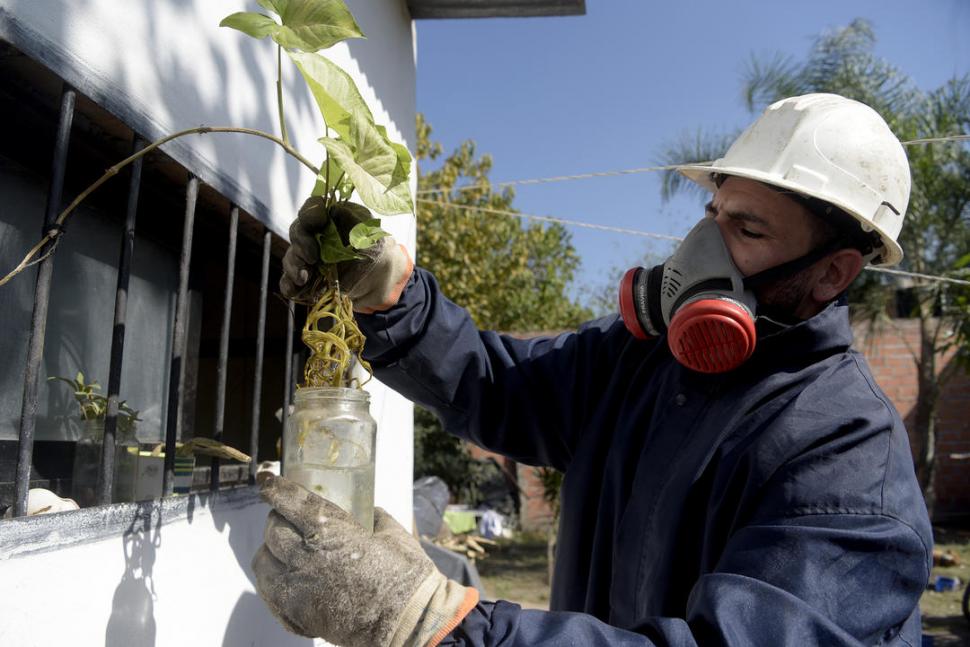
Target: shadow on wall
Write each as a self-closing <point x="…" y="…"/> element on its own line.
<point x="132" y="620"/>
<point x="245" y="537"/>
<point x="223" y="53"/>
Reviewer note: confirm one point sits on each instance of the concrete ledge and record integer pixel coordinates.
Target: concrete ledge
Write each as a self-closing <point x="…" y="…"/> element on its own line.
<point x="46" y="532"/>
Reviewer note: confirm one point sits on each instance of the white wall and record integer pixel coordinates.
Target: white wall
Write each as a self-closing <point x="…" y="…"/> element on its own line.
<point x="163" y="66"/>
<point x="172" y="67"/>
<point x="151" y="575"/>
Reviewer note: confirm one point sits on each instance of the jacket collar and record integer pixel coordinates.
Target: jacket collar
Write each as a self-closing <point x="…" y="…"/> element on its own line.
<point x="806" y="342"/>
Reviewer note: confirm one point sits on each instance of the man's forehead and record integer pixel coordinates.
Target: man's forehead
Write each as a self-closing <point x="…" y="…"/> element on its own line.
<point x="758" y="202"/>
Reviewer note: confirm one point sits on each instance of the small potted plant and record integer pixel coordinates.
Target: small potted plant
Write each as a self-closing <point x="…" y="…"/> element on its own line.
<point x="87" y="455"/>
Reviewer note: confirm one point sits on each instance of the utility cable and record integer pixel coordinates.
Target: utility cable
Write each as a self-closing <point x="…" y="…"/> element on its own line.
<point x="647" y="234"/>
<point x="647" y="169"/>
<point x="561" y="178"/>
<point x="551" y="219"/>
<point x="917" y="275"/>
<point x="937" y="140"/>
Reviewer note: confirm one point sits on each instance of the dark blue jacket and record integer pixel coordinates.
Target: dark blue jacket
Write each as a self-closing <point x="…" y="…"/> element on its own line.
<point x="772" y="505"/>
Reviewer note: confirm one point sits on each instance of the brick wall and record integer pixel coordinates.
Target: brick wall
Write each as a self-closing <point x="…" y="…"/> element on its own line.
<point x="895" y="370"/>
<point x="889" y="356"/>
<point x="536" y="515"/>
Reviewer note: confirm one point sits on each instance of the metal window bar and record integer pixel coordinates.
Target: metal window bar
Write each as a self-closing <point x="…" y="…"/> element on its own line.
<point x="287" y="379"/>
<point x="260" y="346"/>
<point x="38" y="323"/>
<point x="106" y="474"/>
<point x="176" y="394"/>
<point x="177" y="362"/>
<point x="220" y="418"/>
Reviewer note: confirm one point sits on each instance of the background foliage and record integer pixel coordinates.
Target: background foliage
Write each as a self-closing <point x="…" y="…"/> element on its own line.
<point x="510" y="276"/>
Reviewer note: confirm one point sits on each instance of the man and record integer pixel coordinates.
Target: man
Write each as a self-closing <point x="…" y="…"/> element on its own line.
<point x="733" y="475"/>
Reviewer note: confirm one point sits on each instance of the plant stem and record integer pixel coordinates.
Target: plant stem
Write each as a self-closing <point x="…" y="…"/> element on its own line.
<point x="113" y="170"/>
<point x="336" y="185"/>
<point x="279" y="92"/>
<point x="326" y="133"/>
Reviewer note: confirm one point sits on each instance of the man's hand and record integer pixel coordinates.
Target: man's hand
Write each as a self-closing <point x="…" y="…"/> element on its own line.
<point x="322" y="575"/>
<point x="373" y="283"/>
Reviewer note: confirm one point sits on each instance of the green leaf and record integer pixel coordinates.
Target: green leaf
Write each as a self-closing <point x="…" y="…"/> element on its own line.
<point x="336" y="94"/>
<point x="332" y="248"/>
<point x="366" y="234"/>
<point x="344" y="189"/>
<point x="372" y="169"/>
<point x="253" y="24"/>
<point x="311" y="25"/>
<point x="377" y="167"/>
<point x="962" y="262"/>
<point x="403" y="169"/>
<point x="320" y="188"/>
<point x="268" y="5"/>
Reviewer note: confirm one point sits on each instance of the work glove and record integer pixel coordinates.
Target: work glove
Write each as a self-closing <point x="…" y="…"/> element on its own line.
<point x="322" y="575"/>
<point x="373" y="283"/>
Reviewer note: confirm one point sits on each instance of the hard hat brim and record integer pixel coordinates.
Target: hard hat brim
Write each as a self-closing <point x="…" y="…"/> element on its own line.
<point x="701" y="174"/>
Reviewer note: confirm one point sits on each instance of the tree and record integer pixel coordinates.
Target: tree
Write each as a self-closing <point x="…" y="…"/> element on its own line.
<point x="936" y="235"/>
<point x="510" y="276"/>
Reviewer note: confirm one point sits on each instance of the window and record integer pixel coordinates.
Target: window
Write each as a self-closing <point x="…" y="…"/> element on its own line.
<point x="157" y="344"/>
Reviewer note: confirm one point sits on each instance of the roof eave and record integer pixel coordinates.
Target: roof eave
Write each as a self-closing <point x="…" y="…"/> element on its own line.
<point x="435" y="9"/>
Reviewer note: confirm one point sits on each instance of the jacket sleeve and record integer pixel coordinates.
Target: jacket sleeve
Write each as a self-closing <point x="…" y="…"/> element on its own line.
<point x="805" y="580"/>
<point x="525" y="399"/>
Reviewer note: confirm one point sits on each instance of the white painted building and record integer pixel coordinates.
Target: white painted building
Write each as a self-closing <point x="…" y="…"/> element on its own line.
<point x="173" y="570"/>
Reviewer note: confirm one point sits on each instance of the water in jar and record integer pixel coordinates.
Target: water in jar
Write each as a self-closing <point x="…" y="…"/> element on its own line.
<point x="352" y="488"/>
<point x="332" y="456"/>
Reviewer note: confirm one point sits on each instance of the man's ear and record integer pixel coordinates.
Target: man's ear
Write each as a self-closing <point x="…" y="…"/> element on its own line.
<point x="837" y="271"/>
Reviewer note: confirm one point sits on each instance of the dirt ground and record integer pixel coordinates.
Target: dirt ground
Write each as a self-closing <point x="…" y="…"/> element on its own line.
<point x="516" y="570"/>
<point x="942" y="616"/>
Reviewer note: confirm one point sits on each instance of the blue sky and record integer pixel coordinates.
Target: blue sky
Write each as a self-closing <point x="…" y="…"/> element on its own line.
<point x="606" y="91"/>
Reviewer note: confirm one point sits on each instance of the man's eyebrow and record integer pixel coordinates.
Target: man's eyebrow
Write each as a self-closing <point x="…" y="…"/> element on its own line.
<point x="734" y="214"/>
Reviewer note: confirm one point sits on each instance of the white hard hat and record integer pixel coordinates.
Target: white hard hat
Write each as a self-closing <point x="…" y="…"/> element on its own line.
<point x="827" y="147"/>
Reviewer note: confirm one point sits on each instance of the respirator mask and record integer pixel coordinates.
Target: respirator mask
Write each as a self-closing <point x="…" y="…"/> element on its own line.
<point x="701" y="300"/>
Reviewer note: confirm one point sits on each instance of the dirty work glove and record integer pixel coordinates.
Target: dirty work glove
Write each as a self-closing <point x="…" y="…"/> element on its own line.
<point x="322" y="575"/>
<point x="373" y="283"/>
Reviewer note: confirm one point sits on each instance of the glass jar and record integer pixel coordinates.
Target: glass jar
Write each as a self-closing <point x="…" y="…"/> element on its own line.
<point x="126" y="465"/>
<point x="328" y="448"/>
<point x="87" y="465"/>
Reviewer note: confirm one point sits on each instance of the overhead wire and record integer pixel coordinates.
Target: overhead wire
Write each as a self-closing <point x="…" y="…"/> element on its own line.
<point x="937" y="140"/>
<point x="917" y="275"/>
<point x="646" y="234"/>
<point x="561" y="178"/>
<point x="637" y="232"/>
<point x="645" y="169"/>
<point x="552" y="219"/>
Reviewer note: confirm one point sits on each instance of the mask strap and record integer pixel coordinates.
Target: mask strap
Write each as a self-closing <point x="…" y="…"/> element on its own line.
<point x="793" y="266"/>
<point x="781" y="325"/>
